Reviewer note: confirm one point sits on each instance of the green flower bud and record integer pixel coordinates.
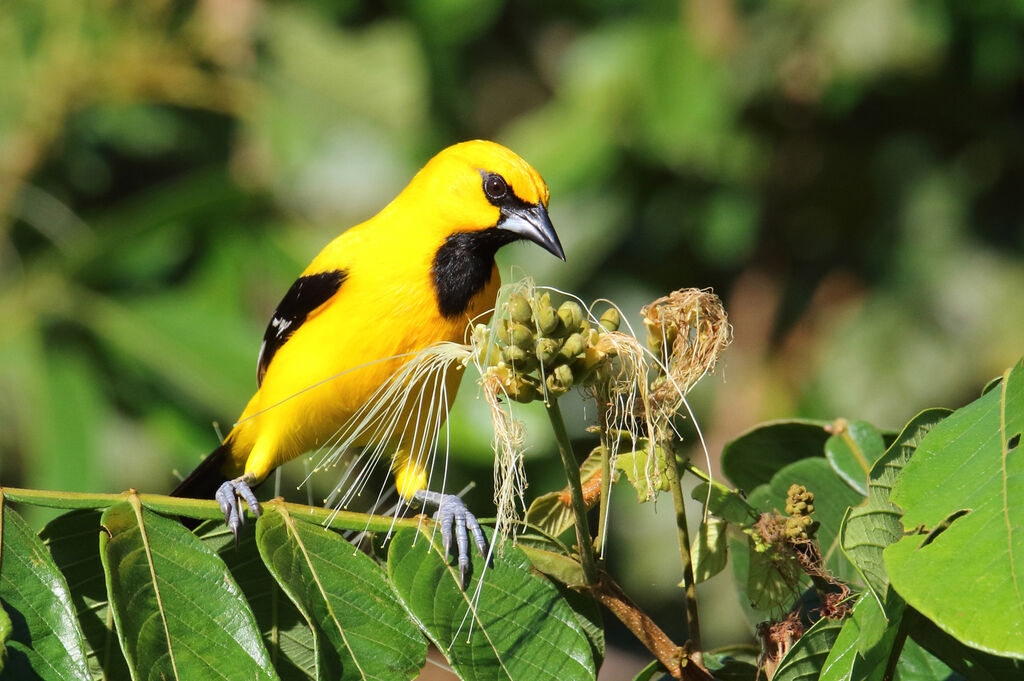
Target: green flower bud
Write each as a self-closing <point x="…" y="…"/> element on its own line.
<point x="521" y="335"/>
<point x="547" y="320"/>
<point x="570" y="314"/>
<point x="611" y="319"/>
<point x="514" y="353"/>
<point x="556" y="387"/>
<point x="503" y="331"/>
<point x="547" y="351"/>
<point x="519" y="309"/>
<point x="573" y="346"/>
<point x="524" y="391"/>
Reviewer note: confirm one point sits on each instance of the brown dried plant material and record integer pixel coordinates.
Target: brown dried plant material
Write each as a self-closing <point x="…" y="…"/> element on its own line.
<point x="687" y="330"/>
<point x="776" y="639"/>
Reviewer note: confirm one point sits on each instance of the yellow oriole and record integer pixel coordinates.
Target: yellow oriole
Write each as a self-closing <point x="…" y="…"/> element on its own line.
<point x="411" y="276"/>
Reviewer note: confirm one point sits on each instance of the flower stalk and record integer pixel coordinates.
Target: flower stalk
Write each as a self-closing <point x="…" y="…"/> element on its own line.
<point x="572" y="474"/>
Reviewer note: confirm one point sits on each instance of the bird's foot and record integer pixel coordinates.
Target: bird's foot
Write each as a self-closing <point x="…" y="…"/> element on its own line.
<point x="228" y="496"/>
<point x="452" y="512"/>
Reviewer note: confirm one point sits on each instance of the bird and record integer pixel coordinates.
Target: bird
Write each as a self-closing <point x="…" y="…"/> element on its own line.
<point x="415" y="274"/>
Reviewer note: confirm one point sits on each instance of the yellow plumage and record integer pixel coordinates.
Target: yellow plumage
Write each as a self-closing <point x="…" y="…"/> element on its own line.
<point x="412" y="276"/>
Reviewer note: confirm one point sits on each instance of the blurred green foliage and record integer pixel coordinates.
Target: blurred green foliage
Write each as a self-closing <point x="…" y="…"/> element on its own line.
<point x="846" y="174"/>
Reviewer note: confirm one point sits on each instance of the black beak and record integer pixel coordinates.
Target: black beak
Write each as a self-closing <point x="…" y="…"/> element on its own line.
<point x="533" y="223"/>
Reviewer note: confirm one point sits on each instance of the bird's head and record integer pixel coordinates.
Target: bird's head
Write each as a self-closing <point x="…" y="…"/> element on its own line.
<point x="483" y="187"/>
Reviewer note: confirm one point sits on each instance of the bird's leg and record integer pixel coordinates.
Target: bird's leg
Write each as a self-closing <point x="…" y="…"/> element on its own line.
<point x="228" y="497"/>
<point x="452" y="512"/>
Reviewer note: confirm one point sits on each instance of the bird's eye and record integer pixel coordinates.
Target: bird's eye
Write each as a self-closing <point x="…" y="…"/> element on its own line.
<point x="495" y="186"/>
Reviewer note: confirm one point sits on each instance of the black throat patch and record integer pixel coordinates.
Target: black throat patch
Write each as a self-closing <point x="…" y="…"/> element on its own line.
<point x="462" y="267"/>
<point x="305" y="295"/>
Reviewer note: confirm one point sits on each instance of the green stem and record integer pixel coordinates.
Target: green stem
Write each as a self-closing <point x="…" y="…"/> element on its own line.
<point x="606" y="479"/>
<point x="201" y="508"/>
<point x="683" y="536"/>
<point x="572" y="474"/>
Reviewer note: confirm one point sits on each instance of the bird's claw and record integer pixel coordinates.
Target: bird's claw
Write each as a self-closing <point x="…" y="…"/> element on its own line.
<point x="228" y="496"/>
<point x="453" y="513"/>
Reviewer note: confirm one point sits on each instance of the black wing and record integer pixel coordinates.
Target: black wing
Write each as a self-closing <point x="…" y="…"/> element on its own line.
<point x="305" y="295"/>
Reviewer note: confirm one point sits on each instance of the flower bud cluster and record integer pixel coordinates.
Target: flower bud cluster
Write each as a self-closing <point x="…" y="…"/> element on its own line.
<point x="799" y="506"/>
<point x="536" y="349"/>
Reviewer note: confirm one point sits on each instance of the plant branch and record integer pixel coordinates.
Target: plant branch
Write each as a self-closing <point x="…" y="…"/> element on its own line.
<point x="204" y="509"/>
<point x="683" y="536"/>
<point x="572" y="474"/>
<point x="676" y="659"/>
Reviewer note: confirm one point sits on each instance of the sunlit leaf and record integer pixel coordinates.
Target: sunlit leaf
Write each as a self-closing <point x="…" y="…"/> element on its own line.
<point x="510" y="625"/>
<point x="178" y="611"/>
<point x="867" y="529"/>
<point x="344" y="595"/>
<point x="965" y="488"/>
<point x="43" y="636"/>
<point x="73" y="540"/>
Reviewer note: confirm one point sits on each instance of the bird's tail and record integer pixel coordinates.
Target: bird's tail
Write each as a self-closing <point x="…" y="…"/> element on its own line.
<point x="203" y="482"/>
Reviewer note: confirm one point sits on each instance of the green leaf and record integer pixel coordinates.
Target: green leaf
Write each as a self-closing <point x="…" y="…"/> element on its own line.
<point x="296" y="648"/>
<point x="852" y="448"/>
<point x="178" y="611"/>
<point x="771" y="582"/>
<point x="758" y="454"/>
<point x="344" y="594"/>
<point x="865" y="643"/>
<point x="509" y="623"/>
<point x="736" y="663"/>
<point x="917" y="664"/>
<point x="726" y="503"/>
<point x="805" y="659"/>
<point x="710" y="549"/>
<point x="552" y="512"/>
<point x="43" y="638"/>
<point x="973" y="664"/>
<point x="965" y="487"/>
<point x="645" y="473"/>
<point x="867" y="529"/>
<point x="73" y="541"/>
<point x="5" y="633"/>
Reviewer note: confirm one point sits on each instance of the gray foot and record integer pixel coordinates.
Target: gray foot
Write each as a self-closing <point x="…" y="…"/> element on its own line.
<point x="228" y="497"/>
<point x="452" y="512"/>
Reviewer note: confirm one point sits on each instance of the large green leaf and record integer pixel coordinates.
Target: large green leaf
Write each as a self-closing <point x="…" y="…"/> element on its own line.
<point x="971" y="663"/>
<point x="73" y="540"/>
<point x="344" y="594"/>
<point x="965" y="487"/>
<point x="296" y="648"/>
<point x="178" y="611"/>
<point x="508" y="624"/>
<point x="867" y="529"/>
<point x="758" y="454"/>
<point x="44" y="639"/>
